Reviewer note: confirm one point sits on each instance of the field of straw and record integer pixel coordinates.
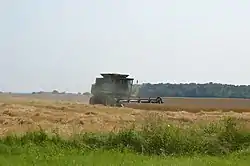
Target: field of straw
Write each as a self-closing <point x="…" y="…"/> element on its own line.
<point x="21" y="114"/>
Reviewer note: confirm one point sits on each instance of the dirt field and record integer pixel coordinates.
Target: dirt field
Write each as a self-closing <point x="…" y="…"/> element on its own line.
<point x="69" y="115"/>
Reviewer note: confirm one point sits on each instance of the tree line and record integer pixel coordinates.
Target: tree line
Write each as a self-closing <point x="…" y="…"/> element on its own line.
<point x="210" y="90"/>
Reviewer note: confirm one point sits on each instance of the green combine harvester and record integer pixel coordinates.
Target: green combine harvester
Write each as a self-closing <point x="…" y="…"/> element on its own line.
<point x="115" y="90"/>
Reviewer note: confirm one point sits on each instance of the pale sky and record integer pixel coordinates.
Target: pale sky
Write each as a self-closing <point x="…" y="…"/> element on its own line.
<point x="65" y="44"/>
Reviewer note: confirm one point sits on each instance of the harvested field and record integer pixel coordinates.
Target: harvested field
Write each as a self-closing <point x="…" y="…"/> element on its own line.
<point x="198" y="104"/>
<point x="21" y="114"/>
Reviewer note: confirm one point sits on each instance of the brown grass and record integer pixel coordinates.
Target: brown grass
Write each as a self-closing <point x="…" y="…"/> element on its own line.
<point x="198" y="104"/>
<point x="19" y="114"/>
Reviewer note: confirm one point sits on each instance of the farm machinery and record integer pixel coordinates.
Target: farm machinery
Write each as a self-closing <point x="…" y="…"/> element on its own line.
<point x="115" y="90"/>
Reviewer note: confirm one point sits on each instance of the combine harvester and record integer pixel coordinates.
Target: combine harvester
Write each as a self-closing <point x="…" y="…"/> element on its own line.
<point x="115" y="90"/>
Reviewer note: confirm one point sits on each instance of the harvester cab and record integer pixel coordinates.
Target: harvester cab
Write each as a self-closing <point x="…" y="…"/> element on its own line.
<point x="115" y="89"/>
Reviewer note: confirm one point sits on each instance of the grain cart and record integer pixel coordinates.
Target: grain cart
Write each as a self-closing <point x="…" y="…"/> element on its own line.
<point x="115" y="89"/>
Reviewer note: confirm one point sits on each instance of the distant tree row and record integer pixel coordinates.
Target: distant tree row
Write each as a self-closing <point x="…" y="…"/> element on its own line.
<point x="194" y="90"/>
<point x="57" y="92"/>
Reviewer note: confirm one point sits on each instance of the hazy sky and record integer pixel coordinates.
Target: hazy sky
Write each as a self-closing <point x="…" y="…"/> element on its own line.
<point x="65" y="44"/>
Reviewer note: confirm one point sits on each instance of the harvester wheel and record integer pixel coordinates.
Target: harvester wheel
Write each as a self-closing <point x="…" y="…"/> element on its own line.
<point x="92" y="100"/>
<point x="95" y="100"/>
<point x="159" y="100"/>
<point x="109" y="101"/>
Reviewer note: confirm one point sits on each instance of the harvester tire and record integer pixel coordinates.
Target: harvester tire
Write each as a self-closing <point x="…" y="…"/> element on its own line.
<point x="92" y="100"/>
<point x="159" y="100"/>
<point x="108" y="101"/>
<point x="95" y="100"/>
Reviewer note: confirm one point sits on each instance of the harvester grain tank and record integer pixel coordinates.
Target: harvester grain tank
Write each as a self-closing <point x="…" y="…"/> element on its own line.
<point x="115" y="89"/>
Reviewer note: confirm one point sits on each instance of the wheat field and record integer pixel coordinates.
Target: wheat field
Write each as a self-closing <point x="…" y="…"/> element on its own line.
<point x="19" y="114"/>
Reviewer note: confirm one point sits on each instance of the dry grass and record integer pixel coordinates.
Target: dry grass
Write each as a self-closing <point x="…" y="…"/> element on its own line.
<point x="19" y="114"/>
<point x="198" y="104"/>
